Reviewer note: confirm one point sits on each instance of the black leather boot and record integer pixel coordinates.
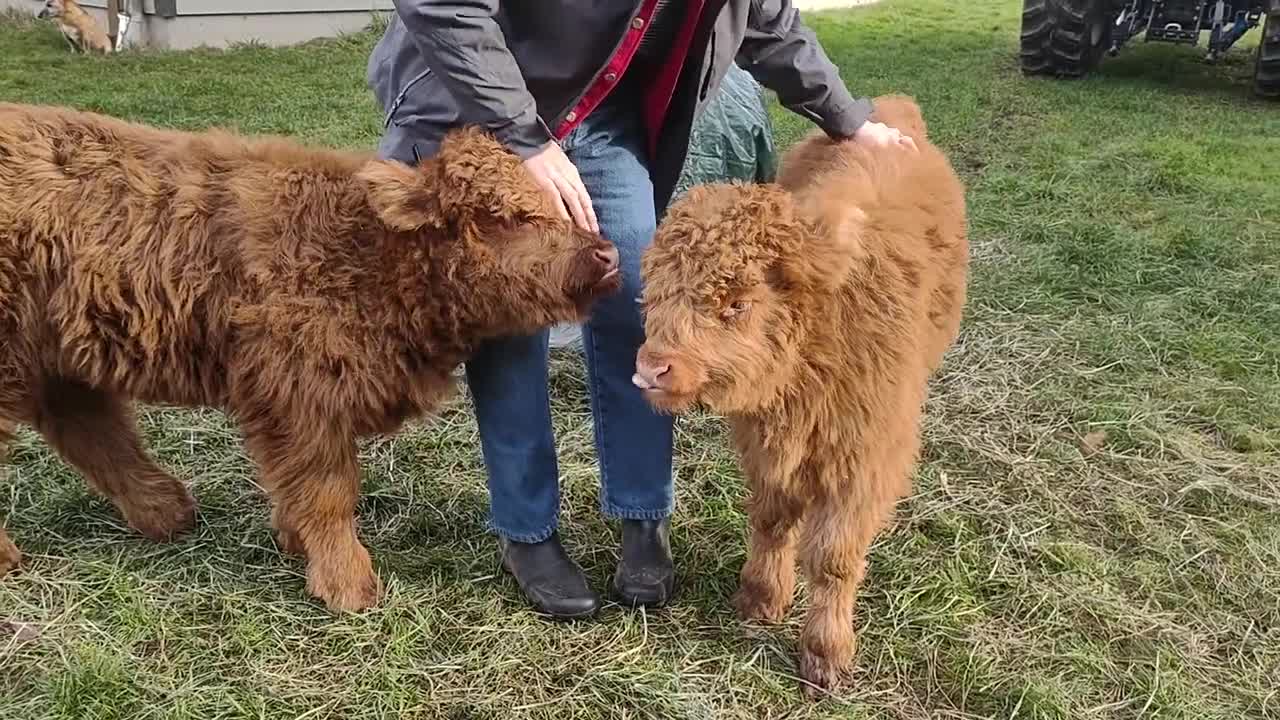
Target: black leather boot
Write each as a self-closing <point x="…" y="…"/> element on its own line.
<point x="552" y="582"/>
<point x="646" y="574"/>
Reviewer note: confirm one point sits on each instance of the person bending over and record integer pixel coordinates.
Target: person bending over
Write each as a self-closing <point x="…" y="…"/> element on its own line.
<point x="598" y="98"/>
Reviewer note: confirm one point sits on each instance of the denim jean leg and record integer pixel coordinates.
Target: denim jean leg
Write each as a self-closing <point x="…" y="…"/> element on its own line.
<point x="633" y="441"/>
<point x="507" y="378"/>
<point x="508" y="383"/>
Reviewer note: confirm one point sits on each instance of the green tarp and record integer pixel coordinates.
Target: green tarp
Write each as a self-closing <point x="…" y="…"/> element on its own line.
<point x="733" y="138"/>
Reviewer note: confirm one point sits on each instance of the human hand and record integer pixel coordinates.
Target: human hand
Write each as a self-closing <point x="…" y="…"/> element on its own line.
<point x="558" y="178"/>
<point x="874" y="134"/>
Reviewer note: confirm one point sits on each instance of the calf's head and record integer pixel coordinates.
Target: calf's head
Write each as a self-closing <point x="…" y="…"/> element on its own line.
<point x="489" y="231"/>
<point x="734" y="279"/>
<point x="52" y="9"/>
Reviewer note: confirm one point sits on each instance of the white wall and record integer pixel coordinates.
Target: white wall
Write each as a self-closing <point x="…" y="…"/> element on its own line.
<point x="275" y="29"/>
<point x="250" y="7"/>
<point x="218" y="23"/>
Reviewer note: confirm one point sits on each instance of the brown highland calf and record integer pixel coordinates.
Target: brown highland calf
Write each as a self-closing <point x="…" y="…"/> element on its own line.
<point x="813" y="315"/>
<point x="317" y="296"/>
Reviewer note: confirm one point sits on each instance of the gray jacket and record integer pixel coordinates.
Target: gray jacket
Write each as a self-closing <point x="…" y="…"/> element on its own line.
<point x="517" y="68"/>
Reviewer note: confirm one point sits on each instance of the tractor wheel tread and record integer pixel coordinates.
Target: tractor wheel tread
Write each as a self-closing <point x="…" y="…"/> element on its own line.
<point x="1266" y="71"/>
<point x="1057" y="35"/>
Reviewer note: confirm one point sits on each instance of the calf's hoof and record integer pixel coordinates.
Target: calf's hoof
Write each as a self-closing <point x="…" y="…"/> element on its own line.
<point x="287" y="539"/>
<point x="289" y="542"/>
<point x="765" y="605"/>
<point x="10" y="558"/>
<point x="163" y="517"/>
<point x="345" y="585"/>
<point x="822" y="673"/>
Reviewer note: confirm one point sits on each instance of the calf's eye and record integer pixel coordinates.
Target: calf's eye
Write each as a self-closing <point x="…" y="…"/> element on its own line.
<point x="735" y="309"/>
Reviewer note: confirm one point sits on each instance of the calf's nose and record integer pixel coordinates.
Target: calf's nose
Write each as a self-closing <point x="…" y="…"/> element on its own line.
<point x="608" y="257"/>
<point x="651" y="373"/>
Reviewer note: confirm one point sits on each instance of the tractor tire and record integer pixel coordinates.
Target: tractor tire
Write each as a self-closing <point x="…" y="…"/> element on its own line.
<point x="1266" y="71"/>
<point x="1065" y="38"/>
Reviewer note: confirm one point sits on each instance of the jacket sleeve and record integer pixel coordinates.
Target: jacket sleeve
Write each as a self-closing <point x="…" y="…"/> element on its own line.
<point x="463" y="45"/>
<point x="784" y="55"/>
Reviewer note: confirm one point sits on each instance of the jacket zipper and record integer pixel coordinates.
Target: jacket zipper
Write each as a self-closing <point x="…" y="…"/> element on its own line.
<point x="404" y="92"/>
<point x="713" y="8"/>
<point x="711" y="66"/>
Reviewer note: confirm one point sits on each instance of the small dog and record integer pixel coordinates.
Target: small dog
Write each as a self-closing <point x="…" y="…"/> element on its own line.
<point x="81" y="32"/>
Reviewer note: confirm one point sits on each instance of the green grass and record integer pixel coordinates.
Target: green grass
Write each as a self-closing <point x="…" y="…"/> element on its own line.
<point x="1095" y="531"/>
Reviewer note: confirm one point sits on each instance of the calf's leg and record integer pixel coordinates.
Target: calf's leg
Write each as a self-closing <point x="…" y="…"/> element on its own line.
<point x="286" y="537"/>
<point x="95" y="432"/>
<point x="838" y="531"/>
<point x="9" y="555"/>
<point x="314" y="484"/>
<point x="768" y="581"/>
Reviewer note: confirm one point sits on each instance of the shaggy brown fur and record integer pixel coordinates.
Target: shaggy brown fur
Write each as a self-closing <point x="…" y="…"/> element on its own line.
<point x="79" y="29"/>
<point x="318" y="296"/>
<point x="812" y="315"/>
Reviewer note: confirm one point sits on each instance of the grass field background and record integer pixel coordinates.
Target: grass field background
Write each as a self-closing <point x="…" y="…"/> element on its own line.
<point x="1095" y="531"/>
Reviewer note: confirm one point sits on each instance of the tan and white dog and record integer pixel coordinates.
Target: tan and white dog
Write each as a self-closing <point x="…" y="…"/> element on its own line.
<point x="81" y="32"/>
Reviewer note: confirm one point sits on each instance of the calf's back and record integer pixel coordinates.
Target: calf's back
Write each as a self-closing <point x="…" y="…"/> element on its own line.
<point x="125" y="250"/>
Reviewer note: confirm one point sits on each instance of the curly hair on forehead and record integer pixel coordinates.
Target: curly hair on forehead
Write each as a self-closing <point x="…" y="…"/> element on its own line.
<point x="731" y="236"/>
<point x="812" y="313"/>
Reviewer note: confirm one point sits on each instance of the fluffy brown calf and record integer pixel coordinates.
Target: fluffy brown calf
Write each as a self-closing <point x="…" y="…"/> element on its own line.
<point x="812" y="315"/>
<point x="317" y="296"/>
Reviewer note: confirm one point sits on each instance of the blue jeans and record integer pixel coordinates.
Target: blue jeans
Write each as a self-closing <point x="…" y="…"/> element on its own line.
<point x="508" y="377"/>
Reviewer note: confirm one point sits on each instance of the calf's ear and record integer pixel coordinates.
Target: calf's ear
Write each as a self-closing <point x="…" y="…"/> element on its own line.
<point x="830" y="243"/>
<point x="901" y="112"/>
<point x="814" y="243"/>
<point x="399" y="194"/>
<point x="479" y="177"/>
